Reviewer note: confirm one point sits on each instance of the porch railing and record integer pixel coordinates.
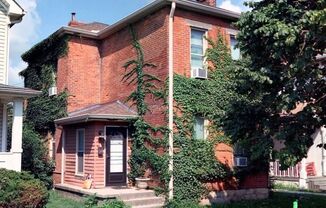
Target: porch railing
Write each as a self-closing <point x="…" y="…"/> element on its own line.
<point x="291" y="172"/>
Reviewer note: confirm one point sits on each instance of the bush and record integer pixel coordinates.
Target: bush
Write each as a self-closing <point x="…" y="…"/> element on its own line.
<point x="178" y="204"/>
<point x="35" y="156"/>
<point x="21" y="190"/>
<point x="114" y="204"/>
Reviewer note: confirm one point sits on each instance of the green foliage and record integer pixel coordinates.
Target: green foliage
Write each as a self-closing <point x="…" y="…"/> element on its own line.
<point x="280" y="42"/>
<point x="43" y="110"/>
<point x="193" y="165"/>
<point x="196" y="163"/>
<point x="113" y="204"/>
<point x="91" y="201"/>
<point x="143" y="153"/>
<point x="178" y="204"/>
<point x="35" y="156"/>
<point x="21" y="190"/>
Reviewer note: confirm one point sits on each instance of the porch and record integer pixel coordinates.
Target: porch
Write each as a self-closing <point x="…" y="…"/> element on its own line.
<point x="10" y="153"/>
<point x="136" y="198"/>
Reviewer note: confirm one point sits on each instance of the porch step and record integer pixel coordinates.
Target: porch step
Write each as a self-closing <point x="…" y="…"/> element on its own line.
<point x="136" y="194"/>
<point x="149" y="206"/>
<point x="145" y="201"/>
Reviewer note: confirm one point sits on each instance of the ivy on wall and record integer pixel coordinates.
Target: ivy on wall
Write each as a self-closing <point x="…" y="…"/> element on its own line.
<point x="195" y="162"/>
<point x="40" y="74"/>
<point x="144" y="145"/>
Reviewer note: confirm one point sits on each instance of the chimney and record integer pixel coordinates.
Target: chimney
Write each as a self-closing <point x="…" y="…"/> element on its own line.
<point x="211" y="3"/>
<point x="73" y="22"/>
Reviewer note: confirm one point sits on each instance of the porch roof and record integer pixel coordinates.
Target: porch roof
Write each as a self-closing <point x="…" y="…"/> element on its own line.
<point x="12" y="92"/>
<point x="115" y="110"/>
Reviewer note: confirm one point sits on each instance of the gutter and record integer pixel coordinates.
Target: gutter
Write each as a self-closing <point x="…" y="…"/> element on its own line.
<point x="150" y="8"/>
<point x="170" y="98"/>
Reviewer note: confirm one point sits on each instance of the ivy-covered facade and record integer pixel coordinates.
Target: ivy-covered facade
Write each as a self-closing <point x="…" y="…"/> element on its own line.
<point x="112" y="122"/>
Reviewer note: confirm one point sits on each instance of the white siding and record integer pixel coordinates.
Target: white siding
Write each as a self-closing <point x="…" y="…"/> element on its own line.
<point x="3" y="46"/>
<point x="1" y="124"/>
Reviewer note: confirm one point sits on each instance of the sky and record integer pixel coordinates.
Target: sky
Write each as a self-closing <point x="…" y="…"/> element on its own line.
<point x="44" y="17"/>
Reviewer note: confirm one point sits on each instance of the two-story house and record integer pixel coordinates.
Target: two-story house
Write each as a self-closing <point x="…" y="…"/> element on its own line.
<point x="172" y="37"/>
<point x="11" y="13"/>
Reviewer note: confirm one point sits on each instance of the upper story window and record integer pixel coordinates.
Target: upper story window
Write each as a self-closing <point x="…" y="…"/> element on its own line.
<point x="197" y="48"/>
<point x="235" y="52"/>
<point x="200" y="131"/>
<point x="80" y="149"/>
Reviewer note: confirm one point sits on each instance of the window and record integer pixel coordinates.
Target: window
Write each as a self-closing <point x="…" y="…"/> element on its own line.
<point x="199" y="128"/>
<point x="197" y="49"/>
<point x="80" y="148"/>
<point x="235" y="52"/>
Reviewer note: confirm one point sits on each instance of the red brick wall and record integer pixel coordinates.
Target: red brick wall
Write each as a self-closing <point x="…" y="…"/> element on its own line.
<point x="79" y="73"/>
<point x="116" y="50"/>
<point x="182" y="34"/>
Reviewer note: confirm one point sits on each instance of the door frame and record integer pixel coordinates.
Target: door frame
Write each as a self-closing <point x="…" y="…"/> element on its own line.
<point x="105" y="151"/>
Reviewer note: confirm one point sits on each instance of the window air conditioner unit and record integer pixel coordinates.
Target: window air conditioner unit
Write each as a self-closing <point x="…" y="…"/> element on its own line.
<point x="199" y="73"/>
<point x="241" y="161"/>
<point x="53" y="91"/>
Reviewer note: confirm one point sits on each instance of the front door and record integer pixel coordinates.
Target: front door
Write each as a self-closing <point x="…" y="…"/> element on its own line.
<point x="116" y="156"/>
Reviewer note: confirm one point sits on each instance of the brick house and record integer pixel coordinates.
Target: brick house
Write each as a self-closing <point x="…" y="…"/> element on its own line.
<point x="92" y="71"/>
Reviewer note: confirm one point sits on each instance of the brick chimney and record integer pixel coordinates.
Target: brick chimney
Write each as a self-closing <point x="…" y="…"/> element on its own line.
<point x="73" y="22"/>
<point x="208" y="2"/>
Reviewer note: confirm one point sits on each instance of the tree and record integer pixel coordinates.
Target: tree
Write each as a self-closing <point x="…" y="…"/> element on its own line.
<point x="280" y="41"/>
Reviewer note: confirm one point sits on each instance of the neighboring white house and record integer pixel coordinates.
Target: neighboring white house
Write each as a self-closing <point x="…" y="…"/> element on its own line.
<point x="10" y="14"/>
<point x="311" y="171"/>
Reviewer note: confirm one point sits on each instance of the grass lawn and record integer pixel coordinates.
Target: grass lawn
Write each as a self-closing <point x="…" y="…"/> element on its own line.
<point x="57" y="201"/>
<point x="281" y="200"/>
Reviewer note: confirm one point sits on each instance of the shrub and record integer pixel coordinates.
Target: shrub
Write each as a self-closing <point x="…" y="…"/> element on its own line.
<point x="114" y="204"/>
<point x="35" y="158"/>
<point x="178" y="204"/>
<point x="21" y="190"/>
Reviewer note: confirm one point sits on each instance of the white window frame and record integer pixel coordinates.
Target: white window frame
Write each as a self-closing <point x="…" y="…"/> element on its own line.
<point x="205" y="46"/>
<point x="206" y="132"/>
<point x="77" y="144"/>
<point x="234" y="33"/>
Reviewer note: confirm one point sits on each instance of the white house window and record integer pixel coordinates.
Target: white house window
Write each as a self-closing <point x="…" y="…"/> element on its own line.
<point x="197" y="48"/>
<point x="199" y="128"/>
<point x="80" y="146"/>
<point x="235" y="52"/>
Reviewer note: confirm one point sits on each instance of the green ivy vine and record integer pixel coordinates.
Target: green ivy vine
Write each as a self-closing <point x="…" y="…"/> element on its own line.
<point x="195" y="162"/>
<point x="144" y="145"/>
<point x="40" y="75"/>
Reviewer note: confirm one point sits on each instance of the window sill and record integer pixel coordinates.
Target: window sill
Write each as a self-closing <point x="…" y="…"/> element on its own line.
<point x="79" y="175"/>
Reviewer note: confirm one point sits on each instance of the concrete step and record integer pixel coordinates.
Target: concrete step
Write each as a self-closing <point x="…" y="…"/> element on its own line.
<point x="150" y="206"/>
<point x="137" y="194"/>
<point x="144" y="201"/>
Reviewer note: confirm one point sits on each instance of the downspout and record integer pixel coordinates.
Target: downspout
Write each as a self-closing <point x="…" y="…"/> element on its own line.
<point x="170" y="98"/>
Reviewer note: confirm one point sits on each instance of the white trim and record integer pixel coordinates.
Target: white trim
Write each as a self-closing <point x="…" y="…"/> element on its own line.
<point x="76" y="153"/>
<point x="206" y="131"/>
<point x="232" y="32"/>
<point x="127" y="158"/>
<point x="197" y="24"/>
<point x="205" y="46"/>
<point x="63" y="155"/>
<point x="105" y="158"/>
<point x="4" y="128"/>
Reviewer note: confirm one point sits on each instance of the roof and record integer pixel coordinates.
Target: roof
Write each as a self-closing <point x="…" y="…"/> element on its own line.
<point x="92" y="27"/>
<point x="12" y="91"/>
<point x="15" y="11"/>
<point x="149" y="9"/>
<point x="100" y="112"/>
